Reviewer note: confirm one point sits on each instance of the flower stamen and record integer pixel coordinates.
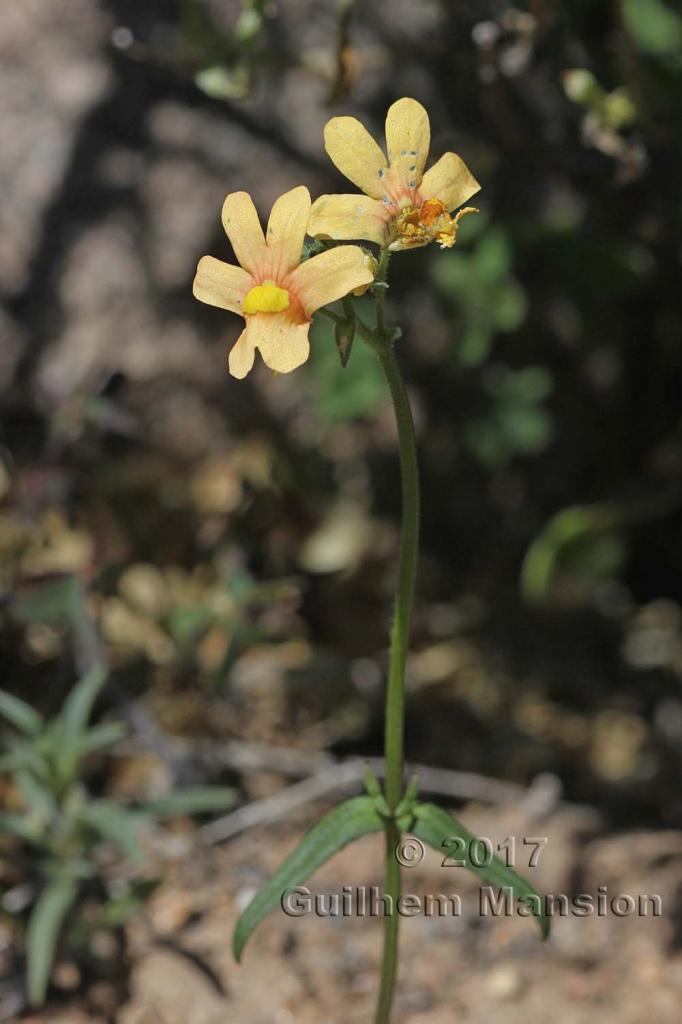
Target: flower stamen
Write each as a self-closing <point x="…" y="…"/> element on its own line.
<point x="416" y="226"/>
<point x="267" y="297"/>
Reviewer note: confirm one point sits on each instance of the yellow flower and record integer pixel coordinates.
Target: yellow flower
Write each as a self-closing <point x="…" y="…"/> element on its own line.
<point x="402" y="207"/>
<point x="274" y="292"/>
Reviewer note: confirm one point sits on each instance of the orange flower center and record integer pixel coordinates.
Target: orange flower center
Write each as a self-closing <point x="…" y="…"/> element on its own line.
<point x="431" y="210"/>
<point x="418" y="225"/>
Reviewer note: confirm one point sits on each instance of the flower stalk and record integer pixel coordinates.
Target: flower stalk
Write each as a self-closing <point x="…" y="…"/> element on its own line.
<point x="382" y="343"/>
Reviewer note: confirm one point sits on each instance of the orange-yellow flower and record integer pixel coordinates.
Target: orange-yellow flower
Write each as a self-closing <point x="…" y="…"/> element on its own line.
<point x="402" y="206"/>
<point x="274" y="292"/>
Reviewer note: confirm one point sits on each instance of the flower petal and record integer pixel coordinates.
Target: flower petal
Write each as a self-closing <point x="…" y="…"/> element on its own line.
<point x="356" y="154"/>
<point x="242" y="355"/>
<point x="330" y="275"/>
<point x="349" y="216"/>
<point x="242" y="227"/>
<point x="408" y="137"/>
<point x="450" y="181"/>
<point x="221" y="284"/>
<point x="282" y="342"/>
<point x="286" y="230"/>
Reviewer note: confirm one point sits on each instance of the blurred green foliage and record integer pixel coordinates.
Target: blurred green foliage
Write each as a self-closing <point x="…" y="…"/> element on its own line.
<point x="581" y="546"/>
<point x="656" y="27"/>
<point x="614" y="109"/>
<point x="480" y="288"/>
<point x="229" y="61"/>
<point x="517" y="422"/>
<point x="59" y="827"/>
<point x="343" y="392"/>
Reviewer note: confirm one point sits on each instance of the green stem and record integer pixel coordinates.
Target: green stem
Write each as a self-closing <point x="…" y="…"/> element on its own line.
<point x="407" y="571"/>
<point x="380" y="291"/>
<point x="389" y="962"/>
<point x="400" y="634"/>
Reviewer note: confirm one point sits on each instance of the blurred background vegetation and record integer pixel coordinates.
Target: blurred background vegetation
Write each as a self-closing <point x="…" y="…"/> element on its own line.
<point x="226" y="550"/>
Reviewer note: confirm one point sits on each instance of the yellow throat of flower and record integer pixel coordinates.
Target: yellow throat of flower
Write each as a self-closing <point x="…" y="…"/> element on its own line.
<point x="266" y="298"/>
<point x="415" y="226"/>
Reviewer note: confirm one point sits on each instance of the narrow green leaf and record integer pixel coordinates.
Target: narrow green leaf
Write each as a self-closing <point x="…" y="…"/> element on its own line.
<point x="22" y="755"/>
<point x="16" y="758"/>
<point x="193" y="800"/>
<point x="115" y="824"/>
<point x="23" y="826"/>
<point x="436" y="827"/>
<point x="69" y="755"/>
<point x="38" y="798"/>
<point x="565" y="532"/>
<point x="20" y="714"/>
<point x="346" y="823"/>
<point x="77" y="707"/>
<point x="46" y="919"/>
<point x="99" y="736"/>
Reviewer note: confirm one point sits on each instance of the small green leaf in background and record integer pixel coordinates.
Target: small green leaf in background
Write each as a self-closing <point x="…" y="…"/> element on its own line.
<point x="343" y="392"/>
<point x="77" y="707"/>
<point x="531" y="384"/>
<point x="98" y="737"/>
<point x="655" y="27"/>
<point x="613" y="110"/>
<point x="193" y="800"/>
<point x="436" y="827"/>
<point x="23" y="826"/>
<point x="20" y="714"/>
<point x="486" y="296"/>
<point x="38" y="798"/>
<point x="491" y="258"/>
<point x="582" y="541"/>
<point x="525" y="428"/>
<point x="223" y="83"/>
<point x="349" y="821"/>
<point x="21" y="755"/>
<point x="47" y="917"/>
<point x="517" y="422"/>
<point x="115" y="824"/>
<point x="186" y="623"/>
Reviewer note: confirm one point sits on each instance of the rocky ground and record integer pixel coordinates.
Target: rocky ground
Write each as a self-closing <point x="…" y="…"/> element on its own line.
<point x="323" y="970"/>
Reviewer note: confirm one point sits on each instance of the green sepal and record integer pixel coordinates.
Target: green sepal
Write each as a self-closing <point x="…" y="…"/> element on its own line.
<point x="313" y="247"/>
<point x="344" y="334"/>
<point x="435" y="827"/>
<point x="405" y="822"/>
<point x="372" y="784"/>
<point x="382" y="807"/>
<point x="407" y="804"/>
<point x="344" y="824"/>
